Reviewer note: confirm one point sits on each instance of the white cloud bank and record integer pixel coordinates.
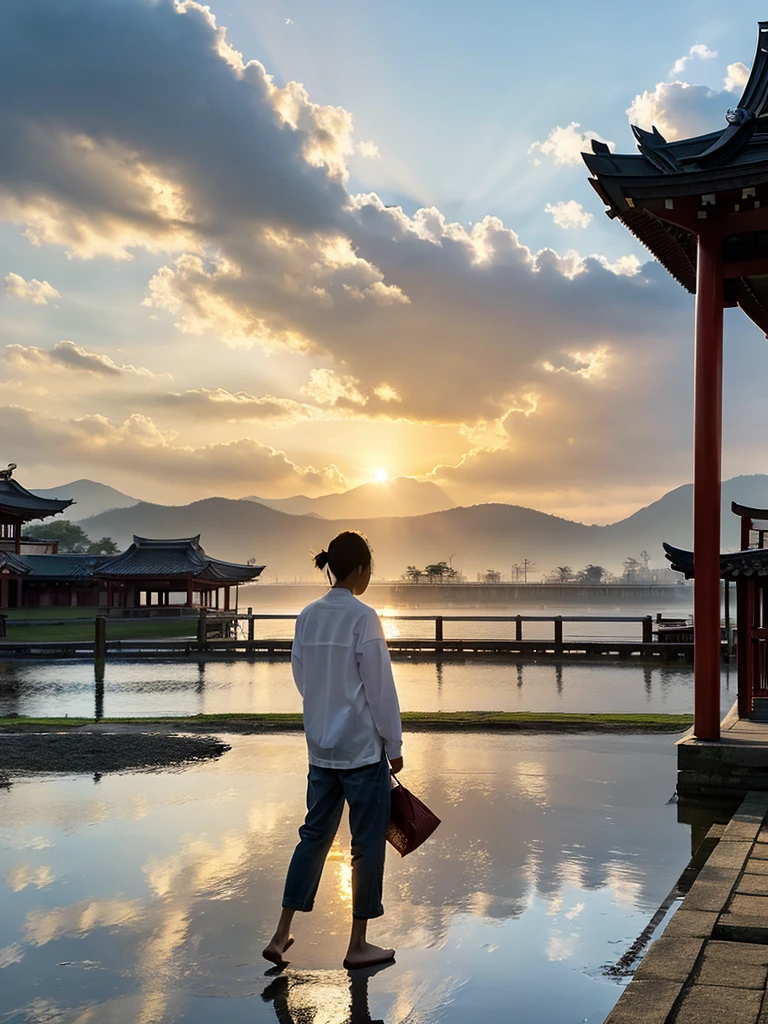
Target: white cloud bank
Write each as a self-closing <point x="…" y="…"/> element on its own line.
<point x="569" y="215"/>
<point x="39" y="293"/>
<point x="698" y="51"/>
<point x="168" y="141"/>
<point x="565" y="145"/>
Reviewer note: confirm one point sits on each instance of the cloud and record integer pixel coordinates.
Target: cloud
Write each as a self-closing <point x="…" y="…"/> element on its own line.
<point x="699" y="51"/>
<point x="328" y="388"/>
<point x="224" y="406"/>
<point x="679" y="110"/>
<point x="569" y="215"/>
<point x="737" y="77"/>
<point x="68" y="355"/>
<point x="12" y="954"/>
<point x="565" y="145"/>
<point x="34" y="291"/>
<point x="168" y="141"/>
<point x="369" y="150"/>
<point x="138" y="446"/>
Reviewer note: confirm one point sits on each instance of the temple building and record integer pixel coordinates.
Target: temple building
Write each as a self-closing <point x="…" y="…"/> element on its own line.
<point x="151" y="573"/>
<point x="700" y="205"/>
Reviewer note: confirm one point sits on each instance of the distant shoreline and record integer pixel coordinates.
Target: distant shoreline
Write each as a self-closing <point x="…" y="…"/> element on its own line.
<point x="413" y="721"/>
<point x="471" y="594"/>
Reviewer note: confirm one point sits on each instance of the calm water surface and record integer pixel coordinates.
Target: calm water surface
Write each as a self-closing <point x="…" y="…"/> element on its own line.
<point x="147" y="897"/>
<point x="187" y="688"/>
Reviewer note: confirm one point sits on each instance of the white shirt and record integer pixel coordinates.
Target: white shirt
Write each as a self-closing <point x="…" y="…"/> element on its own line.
<point x="343" y="672"/>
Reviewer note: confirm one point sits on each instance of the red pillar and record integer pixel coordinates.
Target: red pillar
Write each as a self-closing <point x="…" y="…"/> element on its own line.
<point x="708" y="415"/>
<point x="744" y="623"/>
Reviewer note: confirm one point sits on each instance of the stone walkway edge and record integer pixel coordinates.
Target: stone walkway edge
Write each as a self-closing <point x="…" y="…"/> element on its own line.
<point x="710" y="965"/>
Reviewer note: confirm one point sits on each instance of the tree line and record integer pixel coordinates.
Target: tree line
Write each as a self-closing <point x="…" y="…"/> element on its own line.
<point x="72" y="539"/>
<point x="636" y="570"/>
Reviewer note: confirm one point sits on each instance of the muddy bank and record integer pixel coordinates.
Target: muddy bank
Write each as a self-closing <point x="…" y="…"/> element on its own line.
<point x="100" y="752"/>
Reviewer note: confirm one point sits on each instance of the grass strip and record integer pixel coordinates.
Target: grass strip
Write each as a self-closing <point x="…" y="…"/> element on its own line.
<point x="117" y="629"/>
<point x="530" y="721"/>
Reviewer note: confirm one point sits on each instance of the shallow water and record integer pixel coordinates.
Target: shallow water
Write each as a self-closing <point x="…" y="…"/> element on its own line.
<point x="188" y="688"/>
<point x="146" y="898"/>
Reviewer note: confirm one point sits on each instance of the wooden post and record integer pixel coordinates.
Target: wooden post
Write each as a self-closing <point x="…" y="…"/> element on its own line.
<point x="4" y="591"/>
<point x="202" y="626"/>
<point x="648" y="629"/>
<point x="708" y="414"/>
<point x="727" y="609"/>
<point x="250" y="625"/>
<point x="558" y="634"/>
<point x="439" y="629"/>
<point x="518" y="628"/>
<point x="17" y="537"/>
<point x="744" y="632"/>
<point x="99" y="647"/>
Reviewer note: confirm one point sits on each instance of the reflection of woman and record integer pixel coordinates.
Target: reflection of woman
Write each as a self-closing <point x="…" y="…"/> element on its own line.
<point x="342" y="669"/>
<point x="278" y="993"/>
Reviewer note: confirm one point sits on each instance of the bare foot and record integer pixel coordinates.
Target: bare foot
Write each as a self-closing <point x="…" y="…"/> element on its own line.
<point x="367" y="955"/>
<point x="274" y="951"/>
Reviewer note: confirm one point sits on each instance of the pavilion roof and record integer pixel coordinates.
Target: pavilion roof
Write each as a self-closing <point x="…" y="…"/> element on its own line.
<point x="65" y="567"/>
<point x="668" y="191"/>
<point x="19" y="503"/>
<point x="735" y="564"/>
<point x="182" y="557"/>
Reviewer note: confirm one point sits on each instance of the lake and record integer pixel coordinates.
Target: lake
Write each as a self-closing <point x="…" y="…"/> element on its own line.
<point x="164" y="687"/>
<point x="148" y="897"/>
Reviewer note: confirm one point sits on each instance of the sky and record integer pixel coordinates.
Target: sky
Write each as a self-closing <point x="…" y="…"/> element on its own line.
<point x="290" y="247"/>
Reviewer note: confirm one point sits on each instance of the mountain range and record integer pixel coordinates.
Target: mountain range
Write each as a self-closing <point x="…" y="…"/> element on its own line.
<point x="476" y="538"/>
<point x="91" y="498"/>
<point x="397" y="497"/>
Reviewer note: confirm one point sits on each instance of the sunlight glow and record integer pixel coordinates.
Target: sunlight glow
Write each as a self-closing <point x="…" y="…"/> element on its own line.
<point x="380" y="475"/>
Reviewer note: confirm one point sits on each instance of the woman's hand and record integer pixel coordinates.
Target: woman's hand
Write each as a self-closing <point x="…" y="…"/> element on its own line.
<point x="396" y="764"/>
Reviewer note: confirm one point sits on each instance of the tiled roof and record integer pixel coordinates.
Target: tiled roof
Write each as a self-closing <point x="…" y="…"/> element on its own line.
<point x="733" y="565"/>
<point x="52" y="567"/>
<point x="181" y="557"/>
<point x="16" y="500"/>
<point x="144" y="559"/>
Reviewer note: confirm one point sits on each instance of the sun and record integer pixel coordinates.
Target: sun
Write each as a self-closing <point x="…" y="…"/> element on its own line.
<point x="380" y="475"/>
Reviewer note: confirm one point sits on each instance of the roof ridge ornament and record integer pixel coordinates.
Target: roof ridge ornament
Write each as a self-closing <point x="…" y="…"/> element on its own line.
<point x="738" y="115"/>
<point x="6" y="474"/>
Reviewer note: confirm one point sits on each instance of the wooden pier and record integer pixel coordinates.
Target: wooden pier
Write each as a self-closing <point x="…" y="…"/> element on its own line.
<point x="234" y="636"/>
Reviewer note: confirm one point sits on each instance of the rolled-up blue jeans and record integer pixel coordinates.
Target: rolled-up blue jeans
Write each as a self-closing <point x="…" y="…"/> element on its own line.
<point x="367" y="791"/>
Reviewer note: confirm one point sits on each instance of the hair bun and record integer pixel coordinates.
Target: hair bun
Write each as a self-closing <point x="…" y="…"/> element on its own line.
<point x="321" y="559"/>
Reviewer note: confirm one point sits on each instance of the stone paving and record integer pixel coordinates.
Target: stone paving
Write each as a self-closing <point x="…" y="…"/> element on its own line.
<point x="710" y="966"/>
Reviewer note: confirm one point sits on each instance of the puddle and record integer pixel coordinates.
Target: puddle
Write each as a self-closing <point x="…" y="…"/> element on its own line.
<point x="147" y="898"/>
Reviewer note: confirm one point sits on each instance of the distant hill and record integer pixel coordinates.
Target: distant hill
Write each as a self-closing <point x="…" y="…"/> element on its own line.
<point x="91" y="498"/>
<point x="401" y="496"/>
<point x="477" y="537"/>
<point x="671" y="517"/>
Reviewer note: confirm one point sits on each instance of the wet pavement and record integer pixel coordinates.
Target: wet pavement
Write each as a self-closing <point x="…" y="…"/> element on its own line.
<point x="147" y="898"/>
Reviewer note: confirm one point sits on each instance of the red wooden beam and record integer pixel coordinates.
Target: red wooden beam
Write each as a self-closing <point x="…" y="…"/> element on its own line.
<point x="708" y="403"/>
<point x="746" y="268"/>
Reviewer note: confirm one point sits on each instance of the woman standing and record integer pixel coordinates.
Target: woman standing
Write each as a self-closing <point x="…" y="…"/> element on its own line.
<point x="342" y="669"/>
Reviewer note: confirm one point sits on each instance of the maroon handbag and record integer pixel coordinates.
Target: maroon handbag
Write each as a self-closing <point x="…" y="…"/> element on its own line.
<point x="410" y="821"/>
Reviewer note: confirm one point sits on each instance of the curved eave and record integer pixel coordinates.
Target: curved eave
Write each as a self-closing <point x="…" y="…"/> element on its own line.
<point x="28" y="514"/>
<point x="13" y="564"/>
<point x="734" y="565"/>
